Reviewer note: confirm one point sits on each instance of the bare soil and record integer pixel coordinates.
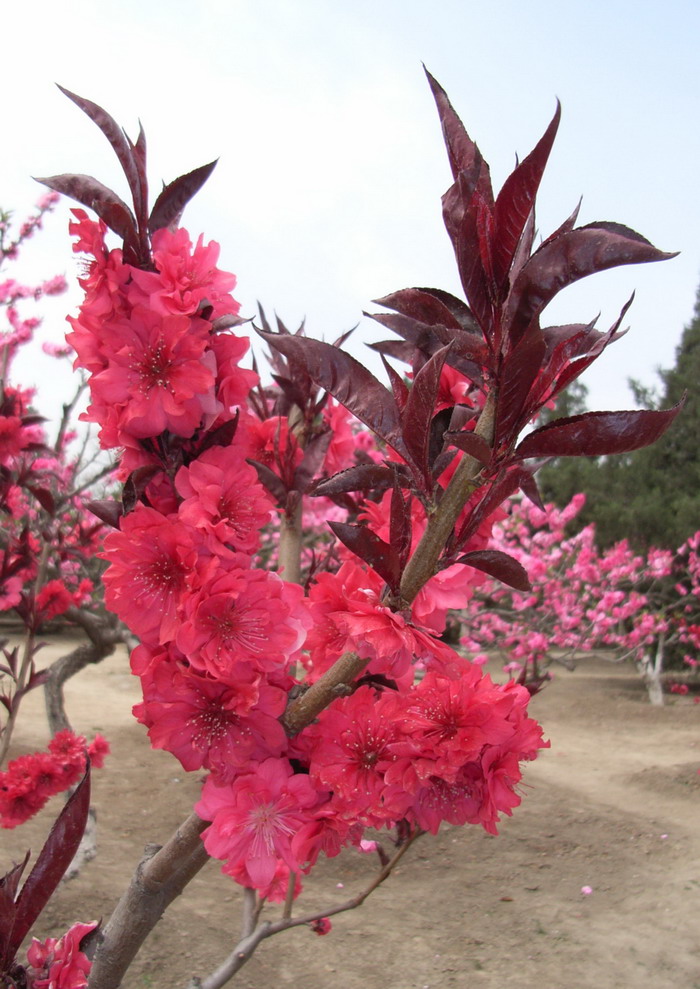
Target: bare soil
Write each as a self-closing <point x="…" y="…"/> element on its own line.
<point x="613" y="805"/>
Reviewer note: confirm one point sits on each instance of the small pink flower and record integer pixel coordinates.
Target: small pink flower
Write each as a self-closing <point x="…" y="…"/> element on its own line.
<point x="586" y="890"/>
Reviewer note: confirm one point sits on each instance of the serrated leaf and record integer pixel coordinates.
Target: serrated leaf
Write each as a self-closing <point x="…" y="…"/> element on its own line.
<point x="363" y="477"/>
<point x="566" y="259"/>
<point x="135" y="485"/>
<point x="417" y="414"/>
<point x="462" y="152"/>
<point x="271" y="481"/>
<point x="518" y="374"/>
<point x="98" y="197"/>
<point x="44" y="497"/>
<point x="400" y="531"/>
<point x="54" y="858"/>
<point x="595" y="434"/>
<point x="312" y="461"/>
<point x="9" y="884"/>
<point x="120" y="143"/>
<point x="348" y="381"/>
<point x="427" y="307"/>
<point x="368" y="546"/>
<point x="516" y="199"/>
<point x="108" y="511"/>
<point x="500" y="565"/>
<point x="172" y="200"/>
<point x="471" y="443"/>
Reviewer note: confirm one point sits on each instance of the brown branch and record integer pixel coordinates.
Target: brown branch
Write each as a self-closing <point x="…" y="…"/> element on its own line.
<point x="423" y="564"/>
<point x="247" y="945"/>
<point x="159" y="879"/>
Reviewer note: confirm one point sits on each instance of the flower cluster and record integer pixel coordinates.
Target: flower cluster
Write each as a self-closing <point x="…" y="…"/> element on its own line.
<point x="58" y="963"/>
<point x="220" y="638"/>
<point x="31" y="780"/>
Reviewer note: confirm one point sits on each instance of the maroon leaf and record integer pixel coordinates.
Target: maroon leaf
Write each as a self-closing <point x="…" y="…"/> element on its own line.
<point x="463" y="154"/>
<point x="44" y="497"/>
<point x="9" y="884"/>
<point x="272" y="482"/>
<point x="122" y="146"/>
<point x="169" y="205"/>
<point x="400" y="531"/>
<point x="504" y="485"/>
<point x="312" y="461"/>
<point x="108" y="510"/>
<point x="361" y="478"/>
<point x="91" y="193"/>
<point x="499" y="565"/>
<point x="399" y="387"/>
<point x="519" y="373"/>
<point x="595" y="434"/>
<point x="426" y="306"/>
<point x="473" y="444"/>
<point x="135" y="485"/>
<point x="54" y="858"/>
<point x="569" y="257"/>
<point x="366" y="544"/>
<point x="417" y="414"/>
<point x="516" y="200"/>
<point x="348" y="381"/>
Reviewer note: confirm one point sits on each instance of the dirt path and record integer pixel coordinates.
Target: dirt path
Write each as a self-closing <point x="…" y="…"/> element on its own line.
<point x="614" y="805"/>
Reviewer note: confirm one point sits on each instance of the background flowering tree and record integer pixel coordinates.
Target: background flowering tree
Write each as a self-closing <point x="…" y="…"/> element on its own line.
<point x="46" y="554"/>
<point x="642" y="607"/>
<point x="387" y="726"/>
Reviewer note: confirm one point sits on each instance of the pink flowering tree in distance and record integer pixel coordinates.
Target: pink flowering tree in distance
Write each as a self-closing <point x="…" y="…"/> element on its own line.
<point x="581" y="600"/>
<point x="319" y="697"/>
<point x="46" y="547"/>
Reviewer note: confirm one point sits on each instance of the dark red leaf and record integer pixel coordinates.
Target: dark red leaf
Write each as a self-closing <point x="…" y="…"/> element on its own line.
<point x="348" y="381"/>
<point x="135" y="485"/>
<point x="91" y="193"/>
<point x="516" y="200"/>
<point x="169" y="205"/>
<point x="461" y="150"/>
<point x="364" y="477"/>
<point x="596" y="434"/>
<point x="121" y="145"/>
<point x="399" y="387"/>
<point x="426" y="306"/>
<point x="400" y="530"/>
<point x="567" y="258"/>
<point x="471" y="443"/>
<point x="519" y="372"/>
<point x="54" y="858"/>
<point x="417" y="415"/>
<point x="9" y="884"/>
<point x="312" y="461"/>
<point x="272" y="482"/>
<point x="109" y="511"/>
<point x="44" y="497"/>
<point x="366" y="544"/>
<point x="499" y="565"/>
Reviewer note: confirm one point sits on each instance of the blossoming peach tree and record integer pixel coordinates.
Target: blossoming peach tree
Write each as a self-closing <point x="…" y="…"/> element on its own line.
<point x="583" y="600"/>
<point x="311" y="682"/>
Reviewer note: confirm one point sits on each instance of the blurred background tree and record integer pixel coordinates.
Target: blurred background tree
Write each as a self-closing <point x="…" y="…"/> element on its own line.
<point x="651" y="497"/>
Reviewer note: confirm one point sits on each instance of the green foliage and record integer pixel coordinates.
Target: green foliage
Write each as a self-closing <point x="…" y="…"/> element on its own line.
<point x="652" y="496"/>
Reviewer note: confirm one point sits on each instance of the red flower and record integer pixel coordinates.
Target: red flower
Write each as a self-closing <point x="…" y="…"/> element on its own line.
<point x="152" y="563"/>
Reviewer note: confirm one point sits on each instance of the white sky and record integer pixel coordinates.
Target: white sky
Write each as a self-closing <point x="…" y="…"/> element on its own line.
<point x="327" y="193"/>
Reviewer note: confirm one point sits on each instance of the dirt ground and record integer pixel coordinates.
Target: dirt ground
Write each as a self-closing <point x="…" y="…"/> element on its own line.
<point x="613" y="805"/>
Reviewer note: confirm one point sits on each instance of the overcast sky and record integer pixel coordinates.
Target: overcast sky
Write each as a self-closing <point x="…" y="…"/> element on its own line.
<point x="327" y="192"/>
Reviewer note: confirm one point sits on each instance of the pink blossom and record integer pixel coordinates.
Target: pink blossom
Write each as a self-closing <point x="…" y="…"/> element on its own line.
<point x="255" y="817"/>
